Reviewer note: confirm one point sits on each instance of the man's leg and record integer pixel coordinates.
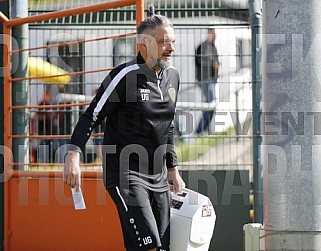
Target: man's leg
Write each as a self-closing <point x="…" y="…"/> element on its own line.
<point x="137" y="220"/>
<point x="161" y="205"/>
<point x="208" y="91"/>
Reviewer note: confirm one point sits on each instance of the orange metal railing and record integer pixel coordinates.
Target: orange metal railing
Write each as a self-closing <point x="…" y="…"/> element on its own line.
<point x="9" y="165"/>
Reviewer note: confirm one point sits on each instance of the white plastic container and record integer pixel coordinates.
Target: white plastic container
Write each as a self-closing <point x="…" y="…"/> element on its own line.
<point x="192" y="222"/>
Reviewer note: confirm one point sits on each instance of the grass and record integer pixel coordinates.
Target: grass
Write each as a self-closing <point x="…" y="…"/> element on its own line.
<point x="188" y="151"/>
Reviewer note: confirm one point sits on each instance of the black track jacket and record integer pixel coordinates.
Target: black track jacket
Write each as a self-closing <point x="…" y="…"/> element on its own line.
<point x="139" y="109"/>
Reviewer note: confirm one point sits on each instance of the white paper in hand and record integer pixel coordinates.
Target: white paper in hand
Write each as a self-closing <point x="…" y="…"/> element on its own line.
<point x="78" y="199"/>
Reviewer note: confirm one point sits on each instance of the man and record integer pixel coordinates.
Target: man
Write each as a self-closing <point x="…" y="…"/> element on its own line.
<point x="207" y="65"/>
<point x="138" y="100"/>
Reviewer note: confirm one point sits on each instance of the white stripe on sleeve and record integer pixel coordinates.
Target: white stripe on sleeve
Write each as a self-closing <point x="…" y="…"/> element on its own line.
<point x="111" y="88"/>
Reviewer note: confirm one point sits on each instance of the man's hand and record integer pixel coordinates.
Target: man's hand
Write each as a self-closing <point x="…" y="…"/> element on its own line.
<point x="216" y="65"/>
<point x="175" y="180"/>
<point x="72" y="173"/>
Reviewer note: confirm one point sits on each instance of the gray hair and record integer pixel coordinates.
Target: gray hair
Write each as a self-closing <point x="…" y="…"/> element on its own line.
<point x="152" y="22"/>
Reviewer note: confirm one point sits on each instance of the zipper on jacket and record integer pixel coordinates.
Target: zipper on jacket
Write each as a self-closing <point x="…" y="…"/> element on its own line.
<point x="159" y="78"/>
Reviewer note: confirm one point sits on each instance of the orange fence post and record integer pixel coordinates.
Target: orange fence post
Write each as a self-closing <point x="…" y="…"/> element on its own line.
<point x="12" y="208"/>
<point x="139" y="12"/>
<point x="7" y="126"/>
<point x="139" y="15"/>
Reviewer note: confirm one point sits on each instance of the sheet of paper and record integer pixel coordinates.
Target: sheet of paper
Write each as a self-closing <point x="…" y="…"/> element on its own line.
<point x="78" y="199"/>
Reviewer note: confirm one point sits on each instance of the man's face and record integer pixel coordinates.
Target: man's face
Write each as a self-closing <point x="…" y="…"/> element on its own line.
<point x="160" y="47"/>
<point x="211" y="35"/>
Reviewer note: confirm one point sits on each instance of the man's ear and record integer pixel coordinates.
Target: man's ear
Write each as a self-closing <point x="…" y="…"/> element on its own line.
<point x="142" y="48"/>
<point x="143" y="41"/>
<point x="142" y="44"/>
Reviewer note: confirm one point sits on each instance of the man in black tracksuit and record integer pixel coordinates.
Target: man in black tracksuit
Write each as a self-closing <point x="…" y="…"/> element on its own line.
<point x="138" y="101"/>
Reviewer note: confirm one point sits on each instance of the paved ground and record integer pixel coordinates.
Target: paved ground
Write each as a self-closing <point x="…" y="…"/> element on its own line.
<point x="231" y="153"/>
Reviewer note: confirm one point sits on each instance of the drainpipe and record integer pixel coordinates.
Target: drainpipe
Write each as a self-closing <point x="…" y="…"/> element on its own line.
<point x="20" y="117"/>
<point x="291" y="141"/>
<point x="256" y="31"/>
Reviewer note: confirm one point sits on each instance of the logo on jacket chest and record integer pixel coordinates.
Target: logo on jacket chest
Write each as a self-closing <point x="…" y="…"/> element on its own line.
<point x="144" y="94"/>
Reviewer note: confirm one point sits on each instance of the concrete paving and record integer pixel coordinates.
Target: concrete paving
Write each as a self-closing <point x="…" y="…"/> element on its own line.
<point x="232" y="153"/>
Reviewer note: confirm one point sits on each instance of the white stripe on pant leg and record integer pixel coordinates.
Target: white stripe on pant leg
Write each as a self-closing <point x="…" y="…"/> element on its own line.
<point x="122" y="199"/>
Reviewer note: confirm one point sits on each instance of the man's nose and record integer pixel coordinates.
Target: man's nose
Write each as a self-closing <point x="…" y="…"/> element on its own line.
<point x="170" y="46"/>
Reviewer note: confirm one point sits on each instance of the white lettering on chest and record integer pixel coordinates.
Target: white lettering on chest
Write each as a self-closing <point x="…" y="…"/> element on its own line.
<point x="144" y="93"/>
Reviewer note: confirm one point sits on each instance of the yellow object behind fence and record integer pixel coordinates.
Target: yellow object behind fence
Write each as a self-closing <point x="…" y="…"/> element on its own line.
<point x="47" y="72"/>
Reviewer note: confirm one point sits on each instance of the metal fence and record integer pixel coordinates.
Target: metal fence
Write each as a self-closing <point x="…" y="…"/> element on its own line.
<point x="85" y="47"/>
<point x="227" y="144"/>
<point x="90" y="44"/>
<point x="185" y="12"/>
